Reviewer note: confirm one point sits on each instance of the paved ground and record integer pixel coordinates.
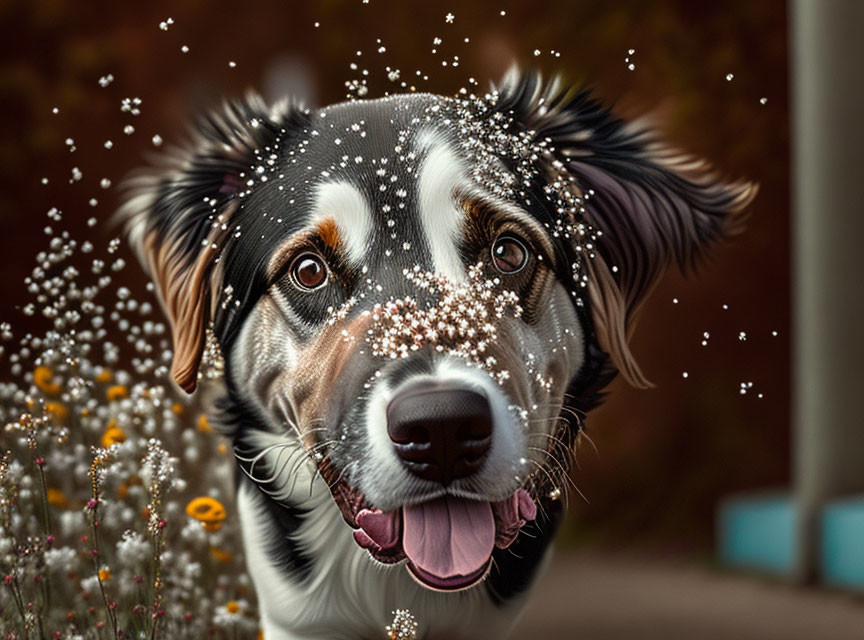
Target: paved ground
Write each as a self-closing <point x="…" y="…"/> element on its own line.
<point x="593" y="597"/>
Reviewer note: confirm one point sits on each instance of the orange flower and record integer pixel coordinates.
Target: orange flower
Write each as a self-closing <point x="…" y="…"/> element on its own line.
<point x="105" y="376"/>
<point x="203" y="425"/>
<point x="123" y="491"/>
<point x="117" y="392"/>
<point x="177" y="408"/>
<point x="113" y="435"/>
<point x="57" y="498"/>
<point x="59" y="411"/>
<point x="232" y="607"/>
<point x="43" y="378"/>
<point x="221" y="555"/>
<point x="222" y="448"/>
<point x="211" y="526"/>
<point x="206" y="510"/>
<point x="104" y="575"/>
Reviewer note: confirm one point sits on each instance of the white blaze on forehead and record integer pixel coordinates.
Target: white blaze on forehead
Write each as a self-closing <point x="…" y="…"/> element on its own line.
<point x="348" y="208"/>
<point x="442" y="174"/>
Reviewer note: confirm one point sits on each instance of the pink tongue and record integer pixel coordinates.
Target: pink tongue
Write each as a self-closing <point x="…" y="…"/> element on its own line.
<point x="449" y="537"/>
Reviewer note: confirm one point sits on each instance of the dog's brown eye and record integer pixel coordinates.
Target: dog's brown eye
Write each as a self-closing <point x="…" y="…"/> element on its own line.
<point x="509" y="255"/>
<point x="308" y="271"/>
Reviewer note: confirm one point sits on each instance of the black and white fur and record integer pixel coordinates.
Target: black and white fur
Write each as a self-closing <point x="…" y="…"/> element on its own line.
<point x="378" y="188"/>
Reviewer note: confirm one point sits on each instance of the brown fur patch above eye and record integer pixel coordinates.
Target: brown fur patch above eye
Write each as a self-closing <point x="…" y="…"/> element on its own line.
<point x="325" y="233"/>
<point x="329" y="234"/>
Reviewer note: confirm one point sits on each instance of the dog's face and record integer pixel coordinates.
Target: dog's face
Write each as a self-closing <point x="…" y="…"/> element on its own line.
<point x="412" y="288"/>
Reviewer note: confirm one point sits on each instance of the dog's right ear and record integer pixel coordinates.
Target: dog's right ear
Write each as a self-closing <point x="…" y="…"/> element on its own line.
<point x="178" y="215"/>
<point x="651" y="205"/>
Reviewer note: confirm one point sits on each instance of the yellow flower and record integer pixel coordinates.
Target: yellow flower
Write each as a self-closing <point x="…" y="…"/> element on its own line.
<point x="207" y="510"/>
<point x="57" y="498"/>
<point x="59" y="411"/>
<point x="43" y="378"/>
<point x="177" y="408"/>
<point x="104" y="376"/>
<point x="220" y="555"/>
<point x="104" y="575"/>
<point x="117" y="392"/>
<point x="203" y="425"/>
<point x="112" y="435"/>
<point x="232" y="607"/>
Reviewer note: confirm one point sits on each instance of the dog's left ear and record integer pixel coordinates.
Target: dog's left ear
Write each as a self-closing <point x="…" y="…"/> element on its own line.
<point x="178" y="217"/>
<point x="651" y="204"/>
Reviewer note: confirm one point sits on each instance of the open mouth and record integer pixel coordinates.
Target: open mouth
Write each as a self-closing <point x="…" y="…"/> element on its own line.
<point x="448" y="542"/>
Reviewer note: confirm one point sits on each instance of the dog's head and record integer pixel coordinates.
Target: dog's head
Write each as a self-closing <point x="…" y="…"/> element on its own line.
<point x="413" y="288"/>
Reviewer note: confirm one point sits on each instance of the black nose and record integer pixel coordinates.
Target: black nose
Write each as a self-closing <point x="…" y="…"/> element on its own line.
<point x="440" y="434"/>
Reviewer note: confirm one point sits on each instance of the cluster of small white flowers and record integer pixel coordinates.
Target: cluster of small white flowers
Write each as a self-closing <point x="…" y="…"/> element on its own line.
<point x="100" y="465"/>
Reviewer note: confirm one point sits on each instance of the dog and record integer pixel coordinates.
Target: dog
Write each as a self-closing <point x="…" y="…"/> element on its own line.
<point x="417" y="299"/>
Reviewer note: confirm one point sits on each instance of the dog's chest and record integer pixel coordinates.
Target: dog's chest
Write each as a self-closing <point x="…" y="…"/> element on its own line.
<point x="346" y="594"/>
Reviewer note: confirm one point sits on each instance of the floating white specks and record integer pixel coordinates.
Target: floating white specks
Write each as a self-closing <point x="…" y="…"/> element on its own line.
<point x="131" y="105"/>
<point x="166" y="23"/>
<point x="742" y="336"/>
<point x="630" y="65"/>
<point x="128" y="129"/>
<point x="774" y="333"/>
<point x="729" y="77"/>
<point x="157" y="140"/>
<point x="232" y="64"/>
<point x="71" y="144"/>
<point x="674" y="300"/>
<point x="536" y="52"/>
<point x="685" y="374"/>
<point x="449" y="18"/>
<point x="105" y="183"/>
<point x="763" y="100"/>
<point x="55" y="111"/>
<point x="76" y="175"/>
<point x="184" y="49"/>
<point x="108" y="144"/>
<point x="104" y="81"/>
<point x="93" y="202"/>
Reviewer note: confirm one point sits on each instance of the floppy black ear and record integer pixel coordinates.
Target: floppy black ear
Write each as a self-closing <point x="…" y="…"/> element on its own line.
<point x="652" y="204"/>
<point x="178" y="215"/>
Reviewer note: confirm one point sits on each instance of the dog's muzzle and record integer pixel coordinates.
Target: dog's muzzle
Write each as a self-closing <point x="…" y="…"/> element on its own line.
<point x="442" y="433"/>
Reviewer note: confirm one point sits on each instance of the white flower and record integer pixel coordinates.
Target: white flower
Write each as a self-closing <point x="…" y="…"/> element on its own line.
<point x="133" y="548"/>
<point x="62" y="559"/>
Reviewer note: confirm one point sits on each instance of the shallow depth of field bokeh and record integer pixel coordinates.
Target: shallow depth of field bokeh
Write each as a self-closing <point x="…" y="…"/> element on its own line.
<point x="711" y="75"/>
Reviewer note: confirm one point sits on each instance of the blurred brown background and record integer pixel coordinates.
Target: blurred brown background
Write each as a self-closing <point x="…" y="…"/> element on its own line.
<point x="664" y="457"/>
